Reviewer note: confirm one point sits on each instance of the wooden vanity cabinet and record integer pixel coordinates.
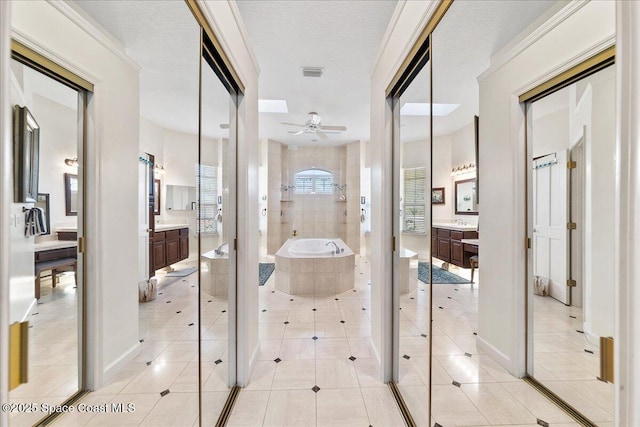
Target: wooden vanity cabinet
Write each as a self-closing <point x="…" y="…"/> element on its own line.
<point x="169" y="247"/>
<point x="184" y="243"/>
<point x="172" y="246"/>
<point x="159" y="258"/>
<point x="449" y="247"/>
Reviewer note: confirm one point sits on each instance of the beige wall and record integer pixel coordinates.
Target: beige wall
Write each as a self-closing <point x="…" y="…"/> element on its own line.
<point x="314" y="215"/>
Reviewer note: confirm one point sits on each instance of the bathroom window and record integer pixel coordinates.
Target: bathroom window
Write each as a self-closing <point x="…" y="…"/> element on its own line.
<point x="415" y="180"/>
<point x="314" y="181"/>
<point x="207" y="188"/>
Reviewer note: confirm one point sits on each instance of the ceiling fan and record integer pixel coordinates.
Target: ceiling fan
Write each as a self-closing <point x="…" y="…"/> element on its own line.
<point x="314" y="125"/>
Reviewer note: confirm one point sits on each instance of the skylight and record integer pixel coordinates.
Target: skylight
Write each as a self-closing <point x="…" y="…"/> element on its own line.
<point x="422" y="109"/>
<point x="272" y="106"/>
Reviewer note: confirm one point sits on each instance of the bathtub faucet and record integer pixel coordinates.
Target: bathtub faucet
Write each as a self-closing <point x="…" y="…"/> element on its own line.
<point x="218" y="250"/>
<point x="337" y="251"/>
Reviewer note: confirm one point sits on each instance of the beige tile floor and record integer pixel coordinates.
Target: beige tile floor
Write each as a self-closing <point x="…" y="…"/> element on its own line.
<point x="487" y="394"/>
<point x="350" y="394"/>
<point x="53" y="350"/>
<point x="169" y="361"/>
<point x="339" y="361"/>
<point x="567" y="361"/>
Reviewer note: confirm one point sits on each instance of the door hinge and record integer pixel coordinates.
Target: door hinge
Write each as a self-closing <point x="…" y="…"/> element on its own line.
<point x="571" y="226"/>
<point x="235" y="244"/>
<point x="571" y="164"/>
<point x="393" y="243"/>
<point x="571" y="283"/>
<point x="528" y="243"/>
<point x="82" y="245"/>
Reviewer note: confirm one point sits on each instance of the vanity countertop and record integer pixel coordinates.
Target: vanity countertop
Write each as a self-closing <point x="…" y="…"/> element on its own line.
<point x="54" y="244"/>
<point x="66" y="229"/>
<point x="454" y="226"/>
<point x="165" y="227"/>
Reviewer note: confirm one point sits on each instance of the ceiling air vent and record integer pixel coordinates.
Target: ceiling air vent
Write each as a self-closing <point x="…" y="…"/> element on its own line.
<point x="312" y="71"/>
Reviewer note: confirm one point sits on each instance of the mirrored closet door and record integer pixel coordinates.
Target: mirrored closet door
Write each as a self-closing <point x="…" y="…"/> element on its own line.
<point x="571" y="138"/>
<point x="46" y="287"/>
<point x="216" y="229"/>
<point x="413" y="245"/>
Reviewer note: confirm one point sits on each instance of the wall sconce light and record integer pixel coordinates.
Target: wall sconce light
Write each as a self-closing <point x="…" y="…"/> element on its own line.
<point x="71" y="162"/>
<point x="159" y="170"/>
<point x="463" y="169"/>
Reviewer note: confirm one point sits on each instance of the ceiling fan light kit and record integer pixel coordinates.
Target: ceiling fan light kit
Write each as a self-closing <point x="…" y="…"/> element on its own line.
<point x="314" y="125"/>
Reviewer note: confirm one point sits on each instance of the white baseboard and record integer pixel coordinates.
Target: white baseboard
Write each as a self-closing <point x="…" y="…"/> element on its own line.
<point x="115" y="366"/>
<point x="252" y="364"/>
<point x="376" y="357"/>
<point x="501" y="358"/>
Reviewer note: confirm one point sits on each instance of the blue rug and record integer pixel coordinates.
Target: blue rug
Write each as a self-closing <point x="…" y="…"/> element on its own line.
<point x="265" y="270"/>
<point x="440" y="275"/>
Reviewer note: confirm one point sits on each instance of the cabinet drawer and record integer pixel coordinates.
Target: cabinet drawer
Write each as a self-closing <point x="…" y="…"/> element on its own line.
<point x="172" y="234"/>
<point x="184" y="232"/>
<point x="456" y="235"/>
<point x="443" y="233"/>
<point x="470" y="235"/>
<point x="158" y="236"/>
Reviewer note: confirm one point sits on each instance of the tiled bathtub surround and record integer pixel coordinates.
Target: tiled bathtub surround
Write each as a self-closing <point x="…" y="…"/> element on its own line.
<point x="314" y="274"/>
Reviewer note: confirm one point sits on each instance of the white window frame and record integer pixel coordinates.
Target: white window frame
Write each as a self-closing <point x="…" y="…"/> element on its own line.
<point x="411" y="184"/>
<point x="317" y="179"/>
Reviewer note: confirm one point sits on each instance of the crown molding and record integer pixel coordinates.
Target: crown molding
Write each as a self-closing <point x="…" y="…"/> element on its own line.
<point x="503" y="57"/>
<point x="88" y="25"/>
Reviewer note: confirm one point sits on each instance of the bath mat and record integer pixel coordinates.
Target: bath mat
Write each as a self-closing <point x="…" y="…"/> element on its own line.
<point x="440" y="275"/>
<point x="265" y="272"/>
<point x="182" y="273"/>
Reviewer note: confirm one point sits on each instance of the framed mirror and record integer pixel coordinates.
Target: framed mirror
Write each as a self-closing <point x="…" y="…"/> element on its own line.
<point x="156" y="201"/>
<point x="43" y="203"/>
<point x="26" y="140"/>
<point x="71" y="194"/>
<point x="466" y="197"/>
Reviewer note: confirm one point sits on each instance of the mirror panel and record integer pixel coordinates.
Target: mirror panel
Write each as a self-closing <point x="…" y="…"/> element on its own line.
<point x="181" y="198"/>
<point x="571" y="302"/>
<point x="215" y="225"/>
<point x="465" y="197"/>
<point x="71" y="194"/>
<point x="45" y="289"/>
<point x="412" y="286"/>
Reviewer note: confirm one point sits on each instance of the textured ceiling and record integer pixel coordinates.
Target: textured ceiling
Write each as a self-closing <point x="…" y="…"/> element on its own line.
<point x="344" y="37"/>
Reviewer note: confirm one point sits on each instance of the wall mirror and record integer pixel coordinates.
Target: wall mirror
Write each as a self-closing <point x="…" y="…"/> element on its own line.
<point x="43" y="203"/>
<point x="181" y="197"/>
<point x="71" y="194"/>
<point x="156" y="190"/>
<point x="26" y="140"/>
<point x="466" y="197"/>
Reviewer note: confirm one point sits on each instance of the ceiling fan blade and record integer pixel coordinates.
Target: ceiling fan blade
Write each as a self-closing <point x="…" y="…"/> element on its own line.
<point x="322" y="135"/>
<point x="224" y="126"/>
<point x="327" y="127"/>
<point x="293" y="124"/>
<point x="297" y="133"/>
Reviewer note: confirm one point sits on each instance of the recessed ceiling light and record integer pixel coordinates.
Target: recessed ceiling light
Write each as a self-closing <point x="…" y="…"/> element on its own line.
<point x="422" y="109"/>
<point x="272" y="106"/>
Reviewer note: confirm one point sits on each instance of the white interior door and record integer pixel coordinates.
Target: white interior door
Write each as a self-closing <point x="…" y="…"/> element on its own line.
<point x="143" y="221"/>
<point x="550" y="217"/>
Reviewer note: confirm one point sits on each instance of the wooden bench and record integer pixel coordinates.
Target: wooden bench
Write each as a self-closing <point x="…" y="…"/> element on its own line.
<point x="56" y="266"/>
